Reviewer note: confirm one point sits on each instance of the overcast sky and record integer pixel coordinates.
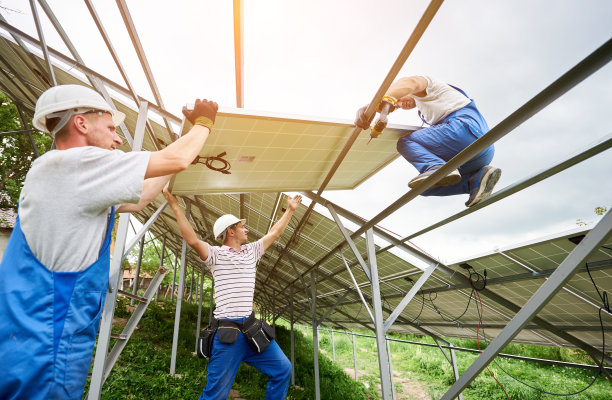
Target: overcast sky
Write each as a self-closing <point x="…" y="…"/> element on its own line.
<point x="328" y="58"/>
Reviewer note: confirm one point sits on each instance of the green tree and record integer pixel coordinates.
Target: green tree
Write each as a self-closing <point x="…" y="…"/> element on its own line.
<point x="16" y="153"/>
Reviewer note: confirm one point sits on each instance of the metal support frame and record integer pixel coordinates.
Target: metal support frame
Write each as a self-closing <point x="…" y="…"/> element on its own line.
<point x="292" y="340"/>
<point x="137" y="272"/>
<point x="390" y="368"/>
<point x="365" y="303"/>
<point x="95" y="82"/>
<point x="179" y="298"/>
<point x="41" y="36"/>
<point x="540" y="298"/>
<point x="354" y="356"/>
<point x="239" y="51"/>
<point x="161" y="262"/>
<point x="176" y="260"/>
<point x="201" y="285"/>
<point x="140" y="234"/>
<point x="413" y="290"/>
<point x="106" y="320"/>
<point x="349" y="241"/>
<point x="130" y="326"/>
<point x="24" y="123"/>
<point x="383" y="362"/>
<point x="315" y="336"/>
<point x="131" y="28"/>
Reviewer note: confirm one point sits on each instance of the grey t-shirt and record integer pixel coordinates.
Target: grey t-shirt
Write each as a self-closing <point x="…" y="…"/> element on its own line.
<point x="65" y="202"/>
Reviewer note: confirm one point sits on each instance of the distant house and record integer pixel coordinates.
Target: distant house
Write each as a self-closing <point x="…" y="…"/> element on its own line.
<point x="144" y="280"/>
<point x="8" y="217"/>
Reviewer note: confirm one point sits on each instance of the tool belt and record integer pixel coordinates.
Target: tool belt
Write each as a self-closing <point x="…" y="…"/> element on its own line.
<point x="258" y="333"/>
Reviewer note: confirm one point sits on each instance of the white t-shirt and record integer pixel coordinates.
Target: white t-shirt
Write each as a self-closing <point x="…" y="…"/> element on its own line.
<point x="65" y="202"/>
<point x="234" y="275"/>
<point x="440" y="101"/>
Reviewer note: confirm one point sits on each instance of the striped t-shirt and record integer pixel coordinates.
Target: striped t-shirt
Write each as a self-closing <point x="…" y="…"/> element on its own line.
<point x="234" y="275"/>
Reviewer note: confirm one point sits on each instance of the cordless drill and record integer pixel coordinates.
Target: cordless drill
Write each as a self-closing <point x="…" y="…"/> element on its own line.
<point x="387" y="105"/>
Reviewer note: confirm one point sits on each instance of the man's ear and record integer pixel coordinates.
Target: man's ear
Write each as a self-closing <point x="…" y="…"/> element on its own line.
<point x="81" y="124"/>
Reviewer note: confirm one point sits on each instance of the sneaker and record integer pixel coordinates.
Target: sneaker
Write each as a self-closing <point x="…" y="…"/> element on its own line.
<point x="452" y="178"/>
<point x="482" y="184"/>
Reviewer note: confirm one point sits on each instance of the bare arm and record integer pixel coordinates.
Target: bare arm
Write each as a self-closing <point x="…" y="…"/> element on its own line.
<point x="414" y="85"/>
<point x="180" y="154"/>
<point x="150" y="189"/>
<point x="279" y="227"/>
<point x="186" y="229"/>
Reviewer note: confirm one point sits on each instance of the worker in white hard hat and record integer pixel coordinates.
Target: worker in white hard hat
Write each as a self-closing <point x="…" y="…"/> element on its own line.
<point x="454" y="123"/>
<point x="233" y="267"/>
<point x="55" y="269"/>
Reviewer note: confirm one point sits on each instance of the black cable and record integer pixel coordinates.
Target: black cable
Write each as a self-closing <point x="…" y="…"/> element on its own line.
<point x="208" y="162"/>
<point x="475" y="286"/>
<point x="606" y="306"/>
<point x="422" y="307"/>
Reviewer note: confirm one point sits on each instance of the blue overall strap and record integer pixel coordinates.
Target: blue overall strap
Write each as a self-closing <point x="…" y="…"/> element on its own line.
<point x="454" y="87"/>
<point x="48" y="321"/>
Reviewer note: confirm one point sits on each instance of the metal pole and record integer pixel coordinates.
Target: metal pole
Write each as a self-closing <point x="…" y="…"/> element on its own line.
<point x="106" y="321"/>
<point x="43" y="43"/>
<point x="333" y="346"/>
<point x="292" y="342"/>
<point x="200" y="307"/>
<point x="173" y="278"/>
<point x="25" y="125"/>
<point x="454" y="363"/>
<point x="161" y="264"/>
<point x="190" y="299"/>
<point x="239" y="52"/>
<point x="137" y="273"/>
<point x="354" y="355"/>
<point x="179" y="298"/>
<point x="541" y="297"/>
<point x="383" y="362"/>
<point x="315" y="335"/>
<point x="390" y="369"/>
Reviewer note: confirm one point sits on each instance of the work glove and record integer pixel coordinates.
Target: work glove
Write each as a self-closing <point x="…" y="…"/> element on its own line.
<point x="361" y="121"/>
<point x="203" y="113"/>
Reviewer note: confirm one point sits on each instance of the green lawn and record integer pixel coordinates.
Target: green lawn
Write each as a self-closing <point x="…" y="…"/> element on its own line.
<point x="142" y="370"/>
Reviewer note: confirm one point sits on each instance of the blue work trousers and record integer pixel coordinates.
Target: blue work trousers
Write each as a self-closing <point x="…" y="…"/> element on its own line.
<point x="226" y="359"/>
<point x="437" y="144"/>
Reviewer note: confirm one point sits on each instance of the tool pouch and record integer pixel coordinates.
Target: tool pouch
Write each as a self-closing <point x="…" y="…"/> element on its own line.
<point x="205" y="342"/>
<point x="259" y="334"/>
<point x="228" y="331"/>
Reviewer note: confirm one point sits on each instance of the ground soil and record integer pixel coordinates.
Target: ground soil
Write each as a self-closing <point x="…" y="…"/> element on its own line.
<point x="406" y="388"/>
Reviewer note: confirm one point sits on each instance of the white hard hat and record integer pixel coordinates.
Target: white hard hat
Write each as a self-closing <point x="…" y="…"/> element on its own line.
<point x="67" y="100"/>
<point x="224" y="222"/>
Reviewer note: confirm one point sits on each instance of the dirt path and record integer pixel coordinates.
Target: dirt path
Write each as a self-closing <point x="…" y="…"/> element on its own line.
<point x="406" y="388"/>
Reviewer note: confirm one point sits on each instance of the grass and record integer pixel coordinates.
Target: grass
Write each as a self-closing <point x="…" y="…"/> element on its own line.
<point x="142" y="371"/>
<point x="429" y="365"/>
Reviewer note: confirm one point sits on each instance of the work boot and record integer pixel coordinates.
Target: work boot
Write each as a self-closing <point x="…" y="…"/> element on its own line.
<point x="482" y="183"/>
<point x="451" y="179"/>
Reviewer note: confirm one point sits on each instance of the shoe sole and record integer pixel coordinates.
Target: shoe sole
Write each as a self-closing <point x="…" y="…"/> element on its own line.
<point x="491" y="177"/>
<point x="448" y="180"/>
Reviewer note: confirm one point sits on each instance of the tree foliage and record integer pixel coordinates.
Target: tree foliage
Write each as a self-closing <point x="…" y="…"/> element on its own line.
<point x="16" y="152"/>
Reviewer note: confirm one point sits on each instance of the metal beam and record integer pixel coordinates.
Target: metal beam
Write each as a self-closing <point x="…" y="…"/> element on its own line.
<point x="363" y="301"/>
<point x="595" y="238"/>
<point x="413" y="290"/>
<point x="131" y="28"/>
<point x="41" y="36"/>
<point x="144" y="229"/>
<point x="315" y="336"/>
<point x="349" y="241"/>
<point x="383" y="362"/>
<point x="239" y="51"/>
<point x="179" y="299"/>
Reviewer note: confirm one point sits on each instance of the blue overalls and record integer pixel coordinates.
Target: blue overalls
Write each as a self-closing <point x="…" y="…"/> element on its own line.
<point x="438" y="143"/>
<point x="48" y="322"/>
